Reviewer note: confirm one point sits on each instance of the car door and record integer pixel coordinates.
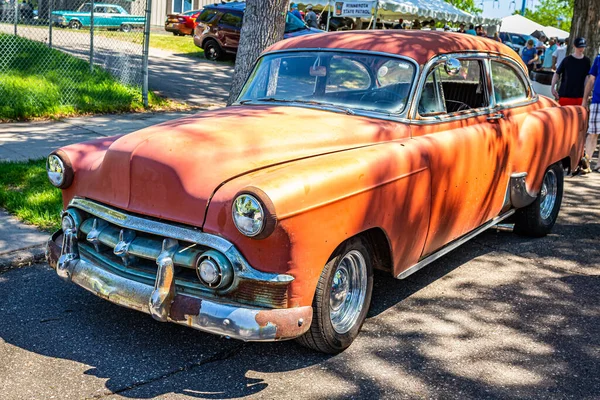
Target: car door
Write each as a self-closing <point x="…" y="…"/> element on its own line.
<point x="460" y="134"/>
<point x="229" y="28"/>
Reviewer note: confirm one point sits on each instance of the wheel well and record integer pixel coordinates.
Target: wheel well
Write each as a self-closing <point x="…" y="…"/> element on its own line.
<point x="566" y="163"/>
<point x="206" y="41"/>
<point x="378" y="242"/>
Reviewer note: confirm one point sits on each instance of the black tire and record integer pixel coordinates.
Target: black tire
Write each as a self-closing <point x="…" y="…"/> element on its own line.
<point x="322" y="336"/>
<point x="74" y="24"/>
<point x="212" y="50"/>
<point x="538" y="218"/>
<point x="126" y="28"/>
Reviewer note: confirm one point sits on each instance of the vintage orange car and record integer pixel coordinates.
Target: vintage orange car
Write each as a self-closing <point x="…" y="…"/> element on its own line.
<point x="345" y="152"/>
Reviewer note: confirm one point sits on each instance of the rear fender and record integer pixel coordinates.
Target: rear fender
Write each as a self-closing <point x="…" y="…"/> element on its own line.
<point x="548" y="136"/>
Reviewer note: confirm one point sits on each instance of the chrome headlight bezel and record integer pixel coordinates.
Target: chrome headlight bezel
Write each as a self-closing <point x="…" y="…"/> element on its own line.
<point x="259" y="208"/>
<point x="59" y="170"/>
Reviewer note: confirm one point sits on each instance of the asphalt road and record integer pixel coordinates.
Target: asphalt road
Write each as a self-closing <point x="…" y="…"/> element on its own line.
<point x="181" y="77"/>
<point x="501" y="317"/>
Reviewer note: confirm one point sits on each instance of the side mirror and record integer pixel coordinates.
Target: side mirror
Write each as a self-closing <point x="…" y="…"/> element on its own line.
<point x="452" y="66"/>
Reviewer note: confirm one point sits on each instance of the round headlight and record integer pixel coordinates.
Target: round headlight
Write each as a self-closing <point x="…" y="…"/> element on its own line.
<point x="214" y="270"/>
<point x="248" y="215"/>
<point x="56" y="170"/>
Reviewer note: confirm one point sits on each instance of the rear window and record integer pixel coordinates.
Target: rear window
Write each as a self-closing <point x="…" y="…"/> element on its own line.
<point x="207" y="15"/>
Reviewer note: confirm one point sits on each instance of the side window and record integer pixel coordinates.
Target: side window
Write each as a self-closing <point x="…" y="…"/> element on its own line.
<point x="432" y="97"/>
<point x="112" y="10"/>
<point x="461" y="92"/>
<point x="100" y="10"/>
<point x="508" y="85"/>
<point x="207" y="15"/>
<point x="346" y="74"/>
<point x="516" y="39"/>
<point x="231" y="19"/>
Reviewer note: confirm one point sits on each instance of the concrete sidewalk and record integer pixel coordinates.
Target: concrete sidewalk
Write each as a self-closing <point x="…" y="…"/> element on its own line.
<point x="22" y="141"/>
<point x="23" y="244"/>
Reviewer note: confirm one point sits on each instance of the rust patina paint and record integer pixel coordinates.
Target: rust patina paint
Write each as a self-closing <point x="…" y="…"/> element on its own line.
<point x="331" y="176"/>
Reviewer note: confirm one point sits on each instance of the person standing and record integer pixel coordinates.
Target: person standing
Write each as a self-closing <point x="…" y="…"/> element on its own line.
<point x="559" y="55"/>
<point x="471" y="30"/>
<point x="529" y="55"/>
<point x="573" y="72"/>
<point x="549" y="54"/>
<point x="311" y="18"/>
<point x="461" y="28"/>
<point x="593" y="87"/>
<point x="295" y="11"/>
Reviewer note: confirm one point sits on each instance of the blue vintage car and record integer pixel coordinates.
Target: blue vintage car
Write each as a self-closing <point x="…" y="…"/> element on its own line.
<point x="105" y="16"/>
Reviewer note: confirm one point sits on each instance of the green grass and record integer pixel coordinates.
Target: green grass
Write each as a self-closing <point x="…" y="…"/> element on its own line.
<point x="177" y="44"/>
<point x="36" y="81"/>
<point x="26" y="192"/>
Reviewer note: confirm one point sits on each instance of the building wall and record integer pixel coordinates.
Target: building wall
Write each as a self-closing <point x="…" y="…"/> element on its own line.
<point x="160" y="9"/>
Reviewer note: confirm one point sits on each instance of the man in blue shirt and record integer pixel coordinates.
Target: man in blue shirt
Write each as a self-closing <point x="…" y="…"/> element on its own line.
<point x="547" y="64"/>
<point x="593" y="86"/>
<point x="296" y="12"/>
<point x="529" y="55"/>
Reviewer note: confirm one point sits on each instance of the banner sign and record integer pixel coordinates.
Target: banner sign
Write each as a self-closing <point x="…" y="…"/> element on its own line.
<point x="355" y="9"/>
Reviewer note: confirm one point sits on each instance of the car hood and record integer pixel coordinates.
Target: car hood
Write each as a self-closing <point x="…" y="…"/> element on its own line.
<point x="171" y="170"/>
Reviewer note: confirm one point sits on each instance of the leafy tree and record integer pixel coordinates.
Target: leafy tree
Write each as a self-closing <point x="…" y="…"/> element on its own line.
<point x="465" y="5"/>
<point x="556" y="13"/>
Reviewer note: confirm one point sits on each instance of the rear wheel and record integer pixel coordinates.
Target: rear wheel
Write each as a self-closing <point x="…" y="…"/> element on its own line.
<point x="538" y="218"/>
<point x="212" y="50"/>
<point x="342" y="299"/>
<point x="126" y="28"/>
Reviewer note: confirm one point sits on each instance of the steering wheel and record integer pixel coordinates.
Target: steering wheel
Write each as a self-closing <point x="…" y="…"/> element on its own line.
<point x="461" y="106"/>
<point x="377" y="95"/>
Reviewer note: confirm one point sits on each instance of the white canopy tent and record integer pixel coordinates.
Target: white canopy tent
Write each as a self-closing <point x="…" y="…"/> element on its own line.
<point x="520" y="24"/>
<point x="418" y="9"/>
<point x="551" y="31"/>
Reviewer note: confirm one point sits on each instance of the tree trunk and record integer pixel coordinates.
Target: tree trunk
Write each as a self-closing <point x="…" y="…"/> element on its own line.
<point x="264" y="24"/>
<point x="586" y="24"/>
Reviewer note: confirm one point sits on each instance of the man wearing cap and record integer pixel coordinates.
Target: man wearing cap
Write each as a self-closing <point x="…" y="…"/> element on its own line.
<point x="295" y="11"/>
<point x="592" y="86"/>
<point x="311" y="18"/>
<point x="573" y="72"/>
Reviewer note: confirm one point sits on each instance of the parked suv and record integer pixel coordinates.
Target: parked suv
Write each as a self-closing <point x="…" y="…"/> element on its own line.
<point x="218" y="29"/>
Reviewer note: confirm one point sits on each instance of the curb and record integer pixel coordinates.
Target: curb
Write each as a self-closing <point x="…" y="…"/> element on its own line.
<point x="22" y="258"/>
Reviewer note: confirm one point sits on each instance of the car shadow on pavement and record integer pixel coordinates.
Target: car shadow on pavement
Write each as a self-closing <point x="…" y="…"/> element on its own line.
<point x="501" y="317"/>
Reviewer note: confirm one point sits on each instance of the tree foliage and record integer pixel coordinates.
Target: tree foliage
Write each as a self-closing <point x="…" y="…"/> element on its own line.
<point x="556" y="13"/>
<point x="465" y="5"/>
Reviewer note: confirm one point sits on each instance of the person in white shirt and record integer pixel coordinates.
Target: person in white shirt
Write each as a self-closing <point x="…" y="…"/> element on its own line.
<point x="559" y="55"/>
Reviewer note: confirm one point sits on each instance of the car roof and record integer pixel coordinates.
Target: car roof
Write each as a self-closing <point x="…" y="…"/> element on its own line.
<point x="231" y="6"/>
<point x="419" y="45"/>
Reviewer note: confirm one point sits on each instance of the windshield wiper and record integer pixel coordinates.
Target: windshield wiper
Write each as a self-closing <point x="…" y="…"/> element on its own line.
<point x="310" y="102"/>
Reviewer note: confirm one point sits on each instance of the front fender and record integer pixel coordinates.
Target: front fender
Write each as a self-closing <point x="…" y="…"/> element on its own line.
<point x="322" y="201"/>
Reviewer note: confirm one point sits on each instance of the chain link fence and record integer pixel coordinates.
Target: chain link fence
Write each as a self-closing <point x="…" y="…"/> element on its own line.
<point x="81" y="54"/>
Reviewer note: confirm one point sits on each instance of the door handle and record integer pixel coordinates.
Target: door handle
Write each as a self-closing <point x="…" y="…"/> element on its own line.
<point x="495" y="117"/>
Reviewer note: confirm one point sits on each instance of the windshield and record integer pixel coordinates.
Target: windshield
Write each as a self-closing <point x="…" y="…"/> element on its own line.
<point x="293" y="23"/>
<point x="87" y="7"/>
<point x="349" y="80"/>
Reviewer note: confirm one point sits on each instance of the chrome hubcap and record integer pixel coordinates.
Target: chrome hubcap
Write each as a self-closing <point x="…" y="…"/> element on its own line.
<point x="548" y="194"/>
<point x="348" y="291"/>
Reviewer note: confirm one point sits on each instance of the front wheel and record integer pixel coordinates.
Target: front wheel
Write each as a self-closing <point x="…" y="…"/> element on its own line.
<point x="74" y="24"/>
<point x="538" y="218"/>
<point x="342" y="299"/>
<point x="126" y="28"/>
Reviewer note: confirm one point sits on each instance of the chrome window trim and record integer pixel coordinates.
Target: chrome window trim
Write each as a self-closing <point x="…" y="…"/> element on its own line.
<point x="398" y="117"/>
<point x="532" y="97"/>
<point x="486" y="58"/>
<point x="432" y="63"/>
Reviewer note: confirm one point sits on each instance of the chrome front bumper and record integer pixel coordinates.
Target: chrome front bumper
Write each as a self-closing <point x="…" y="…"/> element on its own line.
<point x="164" y="304"/>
